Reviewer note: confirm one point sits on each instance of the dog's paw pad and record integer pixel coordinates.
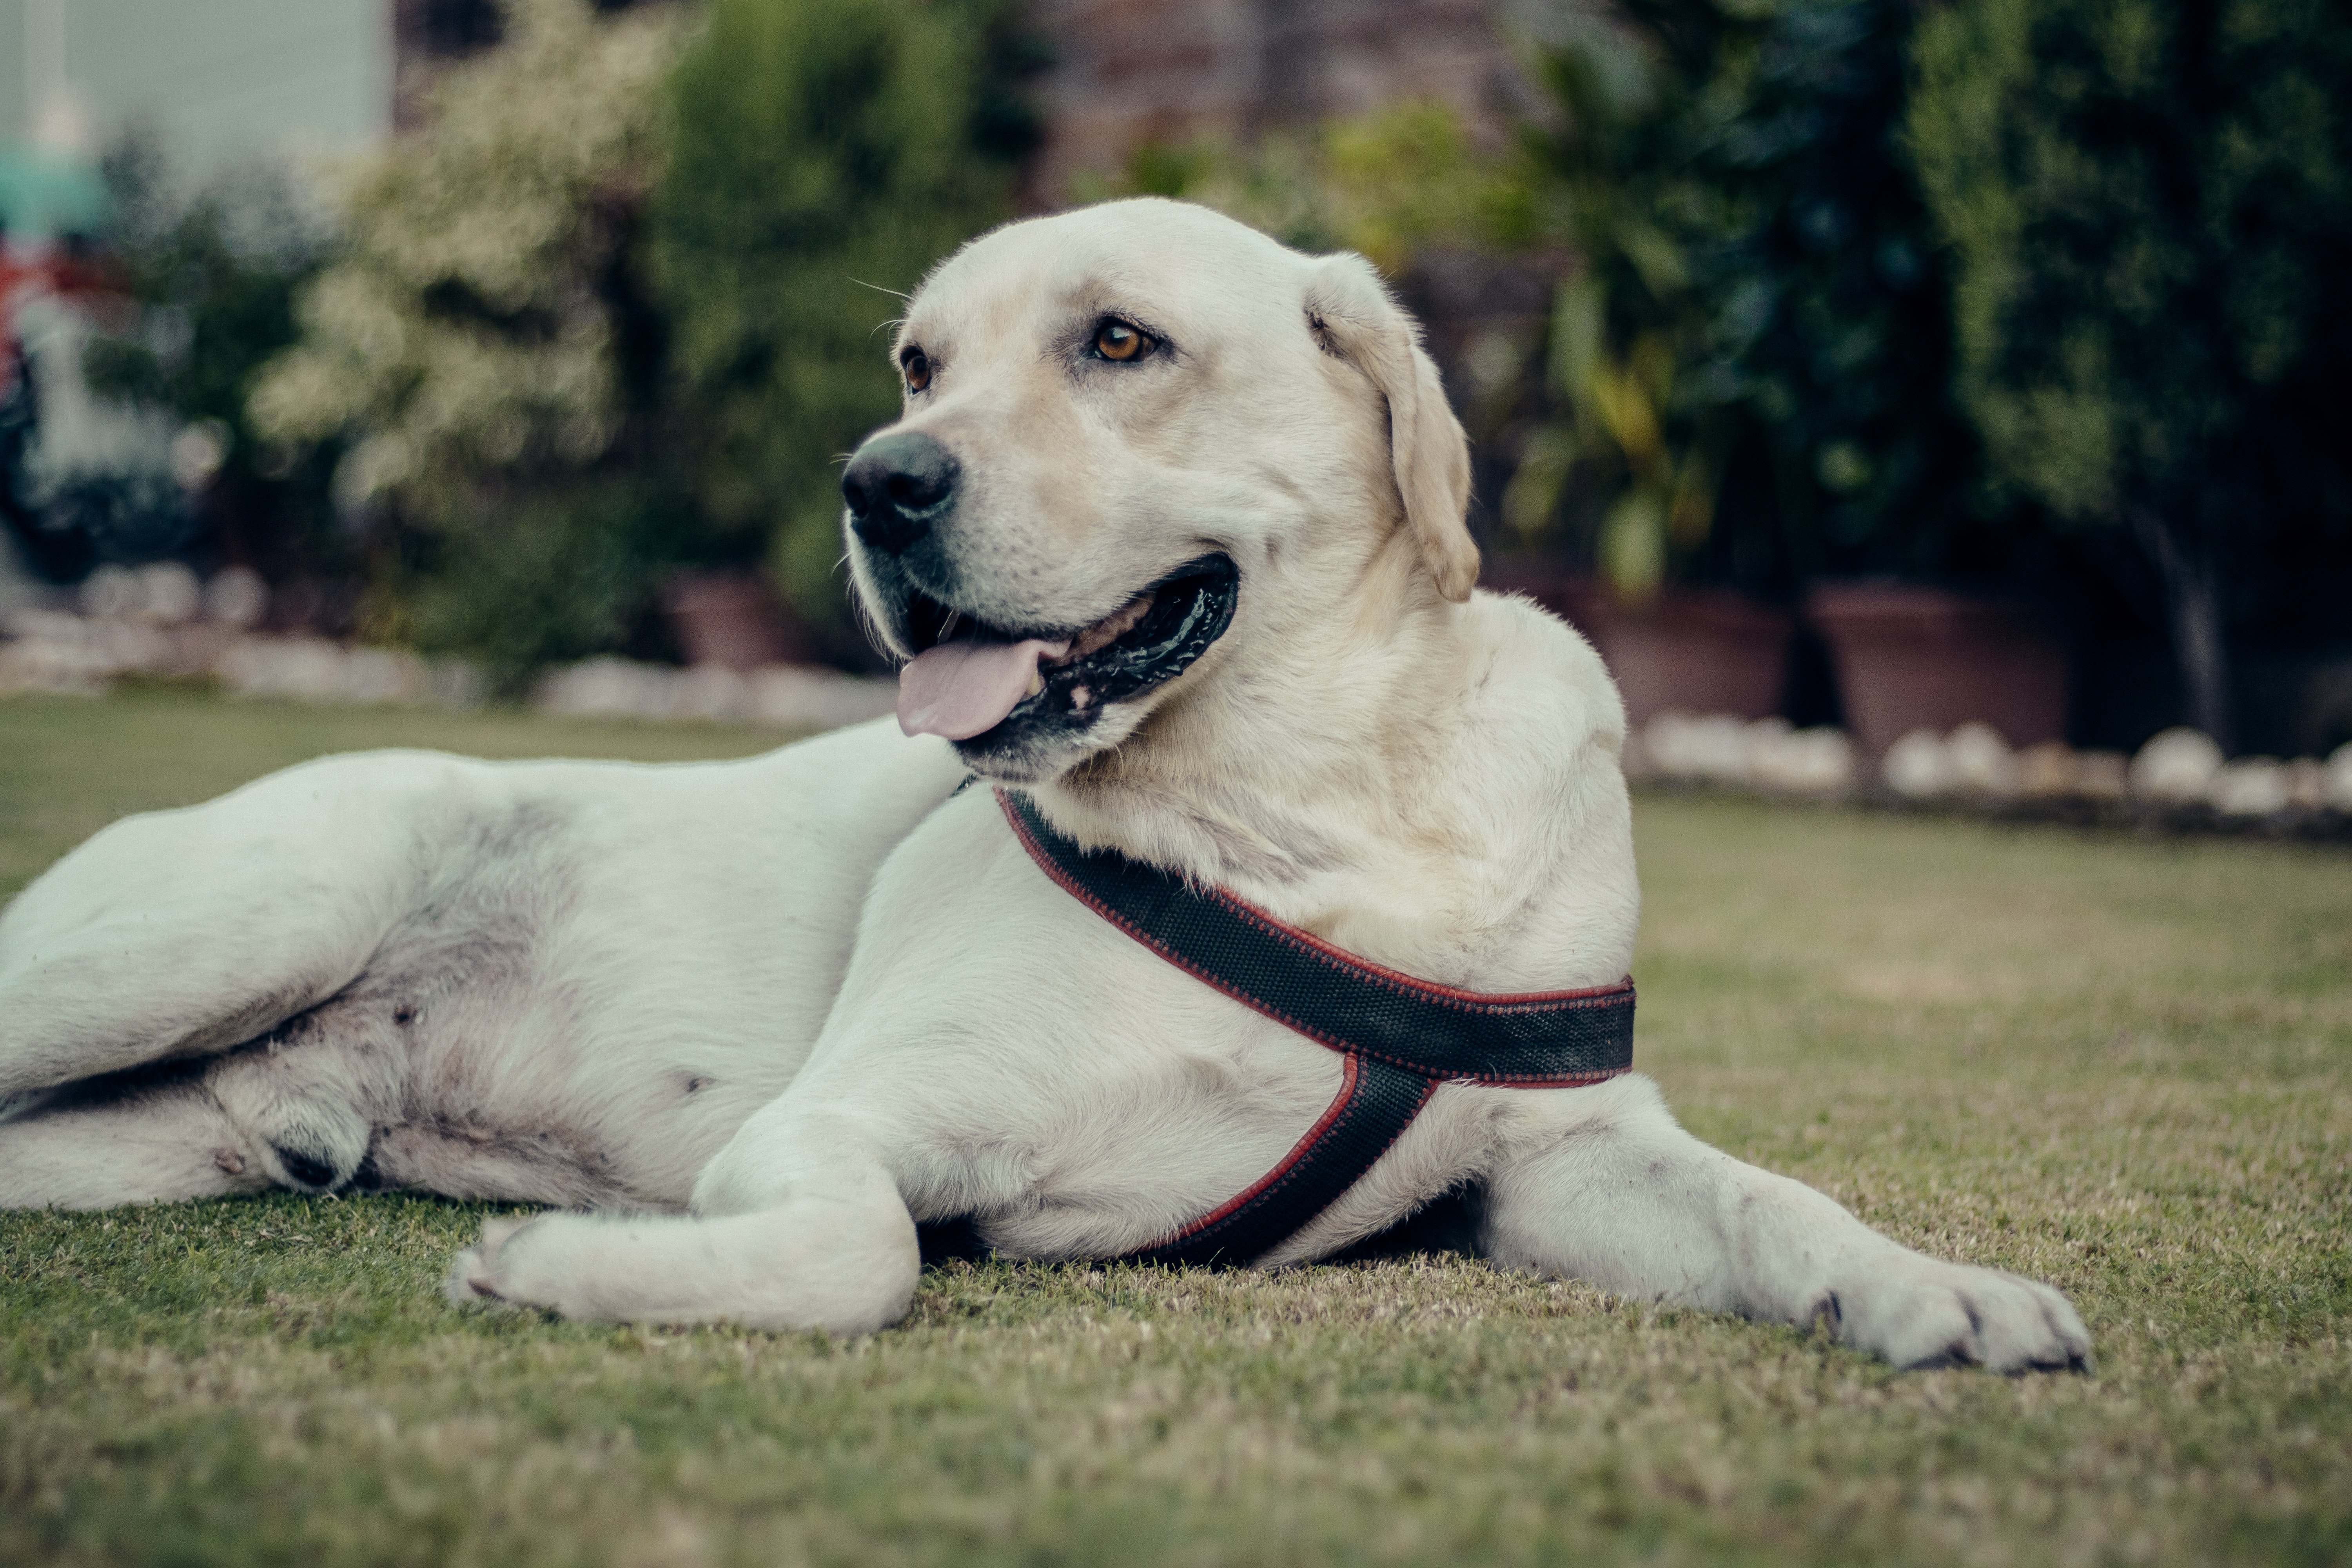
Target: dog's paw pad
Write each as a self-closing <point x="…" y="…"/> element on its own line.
<point x="484" y="1274"/>
<point x="309" y="1172"/>
<point x="1934" y="1315"/>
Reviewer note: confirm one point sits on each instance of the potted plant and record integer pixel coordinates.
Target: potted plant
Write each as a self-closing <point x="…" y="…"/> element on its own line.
<point x="1687" y="649"/>
<point x="1914" y="658"/>
<point x="1632" y="440"/>
<point x="1762" y="299"/>
<point x="734" y="618"/>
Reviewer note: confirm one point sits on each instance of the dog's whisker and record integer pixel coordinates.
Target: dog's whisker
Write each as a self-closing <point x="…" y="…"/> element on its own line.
<point x="869" y="625"/>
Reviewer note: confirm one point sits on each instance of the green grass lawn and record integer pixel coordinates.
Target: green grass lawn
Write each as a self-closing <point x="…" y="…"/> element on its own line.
<point x="2124" y="1067"/>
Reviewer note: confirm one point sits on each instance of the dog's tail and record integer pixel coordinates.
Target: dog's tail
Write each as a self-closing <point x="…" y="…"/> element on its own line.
<point x="183" y="933"/>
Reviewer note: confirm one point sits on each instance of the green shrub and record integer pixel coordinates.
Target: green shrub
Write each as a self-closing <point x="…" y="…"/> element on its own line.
<point x="483" y="350"/>
<point x="568" y="573"/>
<point x="1830" y="306"/>
<point x="611" y="310"/>
<point x="2150" y="208"/>
<point x="1619" y="177"/>
<point x="471" y="336"/>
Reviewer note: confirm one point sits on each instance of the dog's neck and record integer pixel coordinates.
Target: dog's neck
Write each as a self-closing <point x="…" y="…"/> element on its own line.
<point x="1322" y="774"/>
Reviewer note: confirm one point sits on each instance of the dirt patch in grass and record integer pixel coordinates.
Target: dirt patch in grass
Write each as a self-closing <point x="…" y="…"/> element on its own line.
<point x="2123" y="1067"/>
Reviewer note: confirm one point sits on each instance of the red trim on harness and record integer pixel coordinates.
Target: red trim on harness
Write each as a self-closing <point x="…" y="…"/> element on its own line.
<point x="1298" y="1152"/>
<point x="1591" y="995"/>
<point x="1366" y="969"/>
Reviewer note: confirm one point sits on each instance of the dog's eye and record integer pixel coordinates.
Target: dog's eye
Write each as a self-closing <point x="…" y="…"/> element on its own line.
<point x="918" y="368"/>
<point x="1116" y="339"/>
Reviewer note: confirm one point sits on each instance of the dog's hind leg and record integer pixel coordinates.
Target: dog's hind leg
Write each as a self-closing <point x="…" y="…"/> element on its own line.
<point x="1616" y="1194"/>
<point x="157" y="1141"/>
<point x="298" y="1109"/>
<point x="185" y="934"/>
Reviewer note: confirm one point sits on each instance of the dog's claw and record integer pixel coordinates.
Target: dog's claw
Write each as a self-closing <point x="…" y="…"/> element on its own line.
<point x="1925" y="1315"/>
<point x="481" y="1275"/>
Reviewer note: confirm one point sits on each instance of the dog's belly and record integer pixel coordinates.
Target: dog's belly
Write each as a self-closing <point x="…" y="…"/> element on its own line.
<point x="580" y="1010"/>
<point x="619" y="1000"/>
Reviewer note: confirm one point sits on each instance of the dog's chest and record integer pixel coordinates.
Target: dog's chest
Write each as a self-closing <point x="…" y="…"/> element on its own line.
<point x="1113" y="1135"/>
<point x="1032" y="1067"/>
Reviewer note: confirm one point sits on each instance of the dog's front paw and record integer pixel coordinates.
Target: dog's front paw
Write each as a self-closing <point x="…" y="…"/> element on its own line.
<point x="485" y="1274"/>
<point x="1920" y="1313"/>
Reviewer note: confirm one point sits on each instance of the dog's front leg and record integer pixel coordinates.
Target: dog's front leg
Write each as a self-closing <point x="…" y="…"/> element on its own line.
<point x="823" y="1242"/>
<point x="1620" y="1197"/>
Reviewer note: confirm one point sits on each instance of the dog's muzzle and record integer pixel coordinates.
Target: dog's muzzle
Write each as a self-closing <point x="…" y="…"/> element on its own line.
<point x="996" y="689"/>
<point x="897" y="486"/>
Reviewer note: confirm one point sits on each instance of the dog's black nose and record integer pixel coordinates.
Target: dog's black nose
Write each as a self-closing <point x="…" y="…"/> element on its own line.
<point x="896" y="487"/>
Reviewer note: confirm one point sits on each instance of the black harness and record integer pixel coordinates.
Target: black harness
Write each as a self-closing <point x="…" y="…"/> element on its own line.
<point x="1398" y="1038"/>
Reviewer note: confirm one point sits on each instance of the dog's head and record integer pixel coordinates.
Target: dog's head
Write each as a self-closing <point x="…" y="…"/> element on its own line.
<point x="1137" y="438"/>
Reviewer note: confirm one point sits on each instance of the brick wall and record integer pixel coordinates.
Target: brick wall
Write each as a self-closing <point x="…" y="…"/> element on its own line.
<point x="1131" y="72"/>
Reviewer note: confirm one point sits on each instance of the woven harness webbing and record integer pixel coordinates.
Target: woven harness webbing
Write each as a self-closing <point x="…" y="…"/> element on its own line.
<point x="1398" y="1038"/>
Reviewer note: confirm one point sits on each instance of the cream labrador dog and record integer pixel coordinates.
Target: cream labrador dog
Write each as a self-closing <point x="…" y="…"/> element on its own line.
<point x="1170" y="538"/>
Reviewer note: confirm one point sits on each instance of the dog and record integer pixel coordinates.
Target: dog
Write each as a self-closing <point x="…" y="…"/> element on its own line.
<point x="1170" y="541"/>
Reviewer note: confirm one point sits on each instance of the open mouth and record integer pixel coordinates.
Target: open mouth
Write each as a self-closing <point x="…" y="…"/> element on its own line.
<point x="969" y="678"/>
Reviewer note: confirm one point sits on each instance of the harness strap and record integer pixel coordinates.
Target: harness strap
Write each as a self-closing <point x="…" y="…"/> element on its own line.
<point x="1399" y="1037"/>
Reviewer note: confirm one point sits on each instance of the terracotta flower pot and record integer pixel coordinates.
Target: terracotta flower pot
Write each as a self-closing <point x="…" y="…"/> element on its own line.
<point x="732" y="618"/>
<point x="1922" y="658"/>
<point x="1694" y="650"/>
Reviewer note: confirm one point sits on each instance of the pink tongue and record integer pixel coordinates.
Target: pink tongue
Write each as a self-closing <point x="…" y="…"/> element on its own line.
<point x="964" y="687"/>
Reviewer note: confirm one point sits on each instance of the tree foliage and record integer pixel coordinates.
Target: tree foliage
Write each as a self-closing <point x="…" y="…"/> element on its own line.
<point x="2149" y="202"/>
<point x="468" y="334"/>
<point x="826" y="153"/>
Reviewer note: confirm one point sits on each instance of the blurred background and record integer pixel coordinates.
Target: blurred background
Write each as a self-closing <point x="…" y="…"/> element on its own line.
<point x="1924" y="397"/>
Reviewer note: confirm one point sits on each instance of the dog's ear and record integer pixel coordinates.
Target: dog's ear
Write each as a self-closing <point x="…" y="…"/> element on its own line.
<point x="1353" y="318"/>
